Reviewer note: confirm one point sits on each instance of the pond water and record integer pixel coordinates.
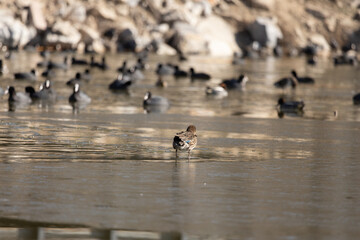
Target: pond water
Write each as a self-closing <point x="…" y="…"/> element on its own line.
<point x="253" y="175"/>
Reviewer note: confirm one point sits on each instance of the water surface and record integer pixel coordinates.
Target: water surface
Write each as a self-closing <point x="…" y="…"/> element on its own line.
<point x="252" y="175"/>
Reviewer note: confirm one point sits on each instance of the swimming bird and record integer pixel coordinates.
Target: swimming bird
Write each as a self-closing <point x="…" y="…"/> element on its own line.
<point x="123" y="67"/>
<point x="17" y="97"/>
<point x="198" y="76"/>
<point x="149" y="99"/>
<point x="135" y="74"/>
<point x="55" y="65"/>
<point x="49" y="72"/>
<point x="103" y="65"/>
<point x="26" y="75"/>
<point x="122" y="82"/>
<point x="178" y="73"/>
<point x="86" y="75"/>
<point x="157" y="104"/>
<point x="308" y="80"/>
<point x="76" y="79"/>
<point x="235" y="83"/>
<point x="161" y="83"/>
<point x="75" y="61"/>
<point x="185" y="140"/>
<point x="164" y="69"/>
<point x="290" y="106"/>
<point x="286" y="82"/>
<point x="79" y="97"/>
<point x="217" y="91"/>
<point x="356" y="99"/>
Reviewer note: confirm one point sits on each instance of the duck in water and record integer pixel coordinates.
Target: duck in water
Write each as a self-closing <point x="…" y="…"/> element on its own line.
<point x="185" y="140"/>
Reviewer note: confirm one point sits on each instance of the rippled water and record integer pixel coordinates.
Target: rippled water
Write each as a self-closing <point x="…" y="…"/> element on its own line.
<point x="253" y="174"/>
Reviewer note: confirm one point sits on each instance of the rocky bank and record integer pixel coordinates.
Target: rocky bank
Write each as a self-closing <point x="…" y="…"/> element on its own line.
<point x="214" y="27"/>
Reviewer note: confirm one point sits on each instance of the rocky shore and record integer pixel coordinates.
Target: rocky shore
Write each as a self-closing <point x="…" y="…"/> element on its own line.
<point x="169" y="27"/>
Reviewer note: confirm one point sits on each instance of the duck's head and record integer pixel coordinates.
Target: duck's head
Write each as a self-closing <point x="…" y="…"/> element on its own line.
<point x="223" y="85"/>
<point x="192" y="70"/>
<point x="10" y="90"/>
<point x="147" y="96"/>
<point x="191" y="128"/>
<point x="78" y="75"/>
<point x="281" y="101"/>
<point x="47" y="84"/>
<point x="33" y="71"/>
<point x="293" y="72"/>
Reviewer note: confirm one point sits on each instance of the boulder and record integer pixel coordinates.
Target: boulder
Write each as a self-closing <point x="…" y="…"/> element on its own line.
<point x="77" y="13"/>
<point x="37" y="16"/>
<point x="262" y="4"/>
<point x="319" y="41"/>
<point x="187" y="39"/>
<point x="126" y="41"/>
<point x="220" y="36"/>
<point x="265" y="31"/>
<point x="14" y="33"/>
<point x="63" y="33"/>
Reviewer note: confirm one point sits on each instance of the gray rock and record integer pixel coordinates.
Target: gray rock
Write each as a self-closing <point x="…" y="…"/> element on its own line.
<point x="265" y="31"/>
<point x="126" y="41"/>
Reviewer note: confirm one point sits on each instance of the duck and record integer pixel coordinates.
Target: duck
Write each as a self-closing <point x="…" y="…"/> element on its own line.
<point x="75" y="61"/>
<point x="155" y="104"/>
<point x="26" y="75"/>
<point x="103" y="65"/>
<point x="47" y="92"/>
<point x="141" y="65"/>
<point x="123" y="67"/>
<point x="198" y="76"/>
<point x="164" y="69"/>
<point x="122" y="82"/>
<point x="86" y="75"/>
<point x="356" y="99"/>
<point x="49" y="72"/>
<point x="286" y="82"/>
<point x="312" y="60"/>
<point x="307" y="80"/>
<point x="135" y="74"/>
<point x="149" y="99"/>
<point x="55" y="65"/>
<point x="290" y="106"/>
<point x="161" y="83"/>
<point x="185" y="140"/>
<point x="78" y="96"/>
<point x="17" y="97"/>
<point x="76" y="79"/>
<point x="235" y="83"/>
<point x="178" y="73"/>
<point x="237" y="58"/>
<point x="217" y="91"/>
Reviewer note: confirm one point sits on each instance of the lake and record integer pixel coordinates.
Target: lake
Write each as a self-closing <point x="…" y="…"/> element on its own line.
<point x="253" y="175"/>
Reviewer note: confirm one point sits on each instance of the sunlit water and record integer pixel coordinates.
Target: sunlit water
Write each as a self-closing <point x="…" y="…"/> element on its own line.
<point x="252" y="175"/>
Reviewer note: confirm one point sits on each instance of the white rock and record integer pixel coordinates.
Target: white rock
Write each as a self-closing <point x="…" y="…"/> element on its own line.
<point x="13" y="32"/>
<point x="219" y="35"/>
<point x="63" y="32"/>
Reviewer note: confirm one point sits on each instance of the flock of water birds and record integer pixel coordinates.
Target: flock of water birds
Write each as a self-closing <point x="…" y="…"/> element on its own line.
<point x="129" y="75"/>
